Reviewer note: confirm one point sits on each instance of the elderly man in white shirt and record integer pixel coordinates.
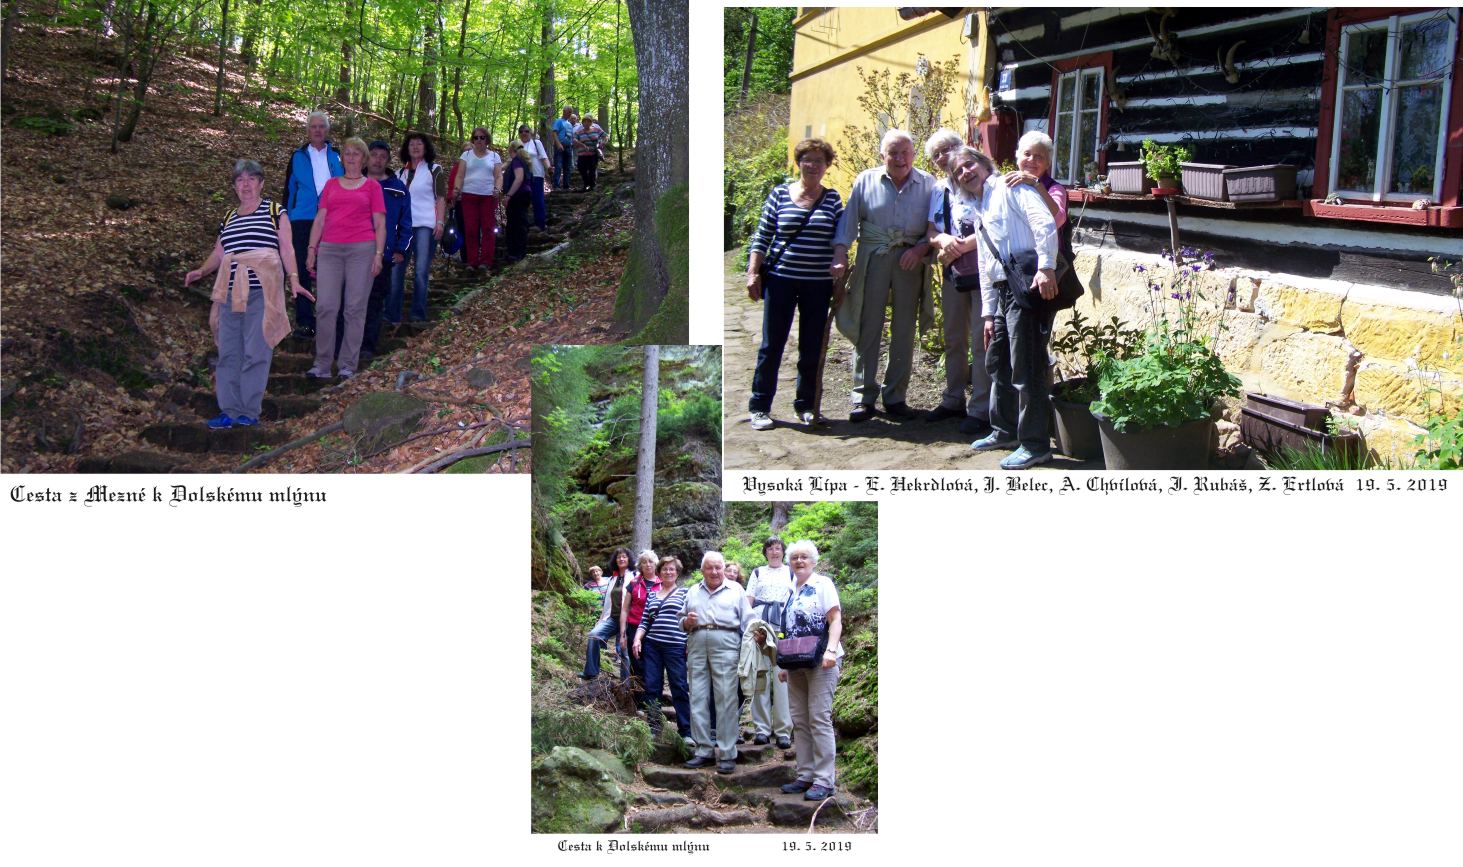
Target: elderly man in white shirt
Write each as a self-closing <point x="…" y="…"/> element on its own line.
<point x="714" y="616"/>
<point x="1016" y="220"/>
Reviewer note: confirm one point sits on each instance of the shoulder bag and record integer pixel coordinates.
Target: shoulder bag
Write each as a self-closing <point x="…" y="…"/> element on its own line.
<point x="803" y="651"/>
<point x="1021" y="268"/>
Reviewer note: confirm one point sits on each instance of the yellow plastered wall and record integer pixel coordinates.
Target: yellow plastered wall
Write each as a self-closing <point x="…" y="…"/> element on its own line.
<point x="829" y="46"/>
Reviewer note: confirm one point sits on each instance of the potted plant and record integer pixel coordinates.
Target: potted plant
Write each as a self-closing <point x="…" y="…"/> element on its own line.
<point x="1161" y="163"/>
<point x="1083" y="347"/>
<point x="1155" y="409"/>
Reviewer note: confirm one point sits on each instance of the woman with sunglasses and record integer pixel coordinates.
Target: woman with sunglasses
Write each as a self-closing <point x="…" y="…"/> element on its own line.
<point x="479" y="180"/>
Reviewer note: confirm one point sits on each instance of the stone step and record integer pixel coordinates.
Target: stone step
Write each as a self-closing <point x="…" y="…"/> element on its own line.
<point x="683" y="779"/>
<point x="205" y="404"/>
<point x="794" y="811"/>
<point x="677" y="818"/>
<point x="291" y="362"/>
<point x="197" y="439"/>
<point x="295" y="383"/>
<point x="135" y="462"/>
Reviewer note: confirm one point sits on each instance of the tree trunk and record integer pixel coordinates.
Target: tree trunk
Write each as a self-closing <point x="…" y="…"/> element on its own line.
<point x="653" y="303"/>
<point x="12" y="12"/>
<point x="248" y="50"/>
<point x="146" y="55"/>
<point x="645" y="454"/>
<point x="751" y="52"/>
<point x="617" y="129"/>
<point x="223" y="41"/>
<point x="343" y="84"/>
<point x="547" y="99"/>
<point x="780" y="516"/>
<point x="427" y="89"/>
<point x="457" y="73"/>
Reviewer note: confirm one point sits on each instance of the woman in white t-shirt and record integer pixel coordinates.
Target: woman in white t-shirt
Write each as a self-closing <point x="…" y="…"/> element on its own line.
<point x="812" y="610"/>
<point x="537" y="160"/>
<point x="427" y="184"/>
<point x="479" y="181"/>
<point x="767" y="591"/>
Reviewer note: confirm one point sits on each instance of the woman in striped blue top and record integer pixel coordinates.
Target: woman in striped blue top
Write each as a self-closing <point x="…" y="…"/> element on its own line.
<point x="794" y="243"/>
<point x="661" y="644"/>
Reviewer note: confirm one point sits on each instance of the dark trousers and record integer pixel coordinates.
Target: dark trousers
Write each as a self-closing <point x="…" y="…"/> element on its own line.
<point x="780" y="298"/>
<point x="1016" y="359"/>
<point x="540" y="209"/>
<point x="589" y="169"/>
<point x="563" y="166"/>
<point x="518" y="227"/>
<point x="664" y="660"/>
<point x="380" y="288"/>
<point x="304" y="307"/>
<point x="633" y="669"/>
<point x="598" y="638"/>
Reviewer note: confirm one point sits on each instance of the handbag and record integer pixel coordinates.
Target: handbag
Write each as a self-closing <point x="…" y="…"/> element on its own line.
<point x="966" y="269"/>
<point x="1021" y="268"/>
<point x="768" y="262"/>
<point x="802" y="651"/>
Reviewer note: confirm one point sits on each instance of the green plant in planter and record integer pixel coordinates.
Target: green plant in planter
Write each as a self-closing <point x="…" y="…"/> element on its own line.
<point x="1162" y="161"/>
<point x="1176" y="376"/>
<point x="1089" y="345"/>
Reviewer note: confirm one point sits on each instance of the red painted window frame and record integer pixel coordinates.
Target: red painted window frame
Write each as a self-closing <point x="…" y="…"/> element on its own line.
<point x="1449" y="210"/>
<point x="1101" y="59"/>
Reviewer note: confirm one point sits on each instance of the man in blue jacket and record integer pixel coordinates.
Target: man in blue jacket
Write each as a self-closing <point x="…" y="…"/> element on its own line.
<point x="315" y="162"/>
<point x="398" y="239"/>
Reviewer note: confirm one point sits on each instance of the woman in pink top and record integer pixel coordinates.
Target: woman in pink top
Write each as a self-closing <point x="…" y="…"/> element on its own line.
<point x="346" y="240"/>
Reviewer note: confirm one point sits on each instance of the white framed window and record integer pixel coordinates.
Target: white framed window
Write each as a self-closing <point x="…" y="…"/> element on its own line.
<point x="1078" y="123"/>
<point x="1392" y="93"/>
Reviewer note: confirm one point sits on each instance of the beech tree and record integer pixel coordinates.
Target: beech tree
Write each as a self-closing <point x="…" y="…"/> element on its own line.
<point x="645" y="454"/>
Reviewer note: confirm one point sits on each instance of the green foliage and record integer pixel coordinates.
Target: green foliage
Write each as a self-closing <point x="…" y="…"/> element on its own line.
<point x="904" y="101"/>
<point x="1314" y="457"/>
<point x="1441" y="446"/>
<point x="756" y="160"/>
<point x="1162" y="161"/>
<point x="1085" y="344"/>
<point x="772" y="57"/>
<point x="566" y="725"/>
<point x="858" y="765"/>
<point x="1177" y="376"/>
<point x="679" y="417"/>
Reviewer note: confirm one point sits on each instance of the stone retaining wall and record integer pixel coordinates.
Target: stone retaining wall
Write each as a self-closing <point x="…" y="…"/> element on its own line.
<point x="1368" y="350"/>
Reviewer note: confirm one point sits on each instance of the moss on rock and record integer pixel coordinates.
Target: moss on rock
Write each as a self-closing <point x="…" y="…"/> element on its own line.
<point x="574" y="794"/>
<point x="858" y="766"/>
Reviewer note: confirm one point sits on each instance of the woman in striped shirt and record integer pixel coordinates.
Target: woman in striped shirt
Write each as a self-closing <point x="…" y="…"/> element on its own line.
<point x="248" y="320"/>
<point x="789" y="269"/>
<point x="661" y="645"/>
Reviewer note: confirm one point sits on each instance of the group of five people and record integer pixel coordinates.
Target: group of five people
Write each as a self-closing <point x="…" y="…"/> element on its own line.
<point x="704" y="641"/>
<point x="904" y="221"/>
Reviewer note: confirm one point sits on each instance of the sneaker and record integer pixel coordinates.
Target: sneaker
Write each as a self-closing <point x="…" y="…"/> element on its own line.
<point x="222" y="421"/>
<point x="861" y="412"/>
<point x="975" y="427"/>
<point x="899" y="410"/>
<point x="317" y="373"/>
<point x="1021" y="459"/>
<point x="246" y="421"/>
<point x="784" y="742"/>
<point x="812" y="419"/>
<point x="347" y="373"/>
<point x="796" y="786"/>
<point x="817" y="793"/>
<point x="993" y="440"/>
<point x="940" y="413"/>
<point x="761" y="421"/>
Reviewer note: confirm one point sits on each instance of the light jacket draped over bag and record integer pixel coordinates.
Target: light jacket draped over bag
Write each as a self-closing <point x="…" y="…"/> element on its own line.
<point x="264" y="263"/>
<point x="872" y="241"/>
<point x="757" y="658"/>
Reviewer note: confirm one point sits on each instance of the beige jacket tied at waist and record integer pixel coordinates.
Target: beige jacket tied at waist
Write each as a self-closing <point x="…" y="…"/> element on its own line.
<point x="265" y="264"/>
<point x="872" y="241"/>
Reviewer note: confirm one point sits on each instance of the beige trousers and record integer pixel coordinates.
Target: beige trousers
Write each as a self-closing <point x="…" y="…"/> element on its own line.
<point x="810" y="693"/>
<point x="342" y="282"/>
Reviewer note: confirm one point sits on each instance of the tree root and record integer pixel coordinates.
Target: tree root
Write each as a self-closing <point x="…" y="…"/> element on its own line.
<point x="290" y="446"/>
<point x="692" y="814"/>
<point x="447" y="460"/>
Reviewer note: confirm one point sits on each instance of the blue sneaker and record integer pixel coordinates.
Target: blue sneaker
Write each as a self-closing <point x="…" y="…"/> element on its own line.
<point x="993" y="440"/>
<point x="1021" y="459"/>
<point x="222" y="421"/>
<point x="246" y="421"/>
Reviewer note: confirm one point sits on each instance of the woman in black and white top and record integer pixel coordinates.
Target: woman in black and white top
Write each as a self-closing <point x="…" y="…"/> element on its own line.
<point x="257" y="237"/>
<point x="661" y="644"/>
<point x="795" y="240"/>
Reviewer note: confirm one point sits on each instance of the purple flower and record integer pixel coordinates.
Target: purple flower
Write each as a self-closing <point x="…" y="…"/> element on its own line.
<point x="1209" y="256"/>
<point x="1174" y="295"/>
<point x="1139" y="268"/>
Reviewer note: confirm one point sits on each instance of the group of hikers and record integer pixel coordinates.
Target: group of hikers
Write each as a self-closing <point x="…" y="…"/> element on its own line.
<point x="774" y="643"/>
<point x="346" y="227"/>
<point x="1004" y="243"/>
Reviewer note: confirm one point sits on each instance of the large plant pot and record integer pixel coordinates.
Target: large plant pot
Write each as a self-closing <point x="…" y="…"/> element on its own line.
<point x="1075" y="428"/>
<point x="1186" y="447"/>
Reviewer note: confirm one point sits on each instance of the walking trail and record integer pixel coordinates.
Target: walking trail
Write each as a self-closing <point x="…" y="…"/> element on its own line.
<point x="880" y="443"/>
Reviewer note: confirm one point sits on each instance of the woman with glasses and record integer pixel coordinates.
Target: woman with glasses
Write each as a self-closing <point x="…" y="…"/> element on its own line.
<point x="479" y="180"/>
<point x="789" y="269"/>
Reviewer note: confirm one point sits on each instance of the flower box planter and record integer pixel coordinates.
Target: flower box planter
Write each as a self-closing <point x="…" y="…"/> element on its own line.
<point x="1205" y="181"/>
<point x="1260" y="183"/>
<point x="1128" y="178"/>
<point x="1303" y="414"/>
<point x="1186" y="447"/>
<point x="1271" y="426"/>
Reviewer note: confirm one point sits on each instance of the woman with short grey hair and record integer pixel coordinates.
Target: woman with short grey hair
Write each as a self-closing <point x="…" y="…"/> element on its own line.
<point x="812" y="610"/>
<point x="248" y="317"/>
